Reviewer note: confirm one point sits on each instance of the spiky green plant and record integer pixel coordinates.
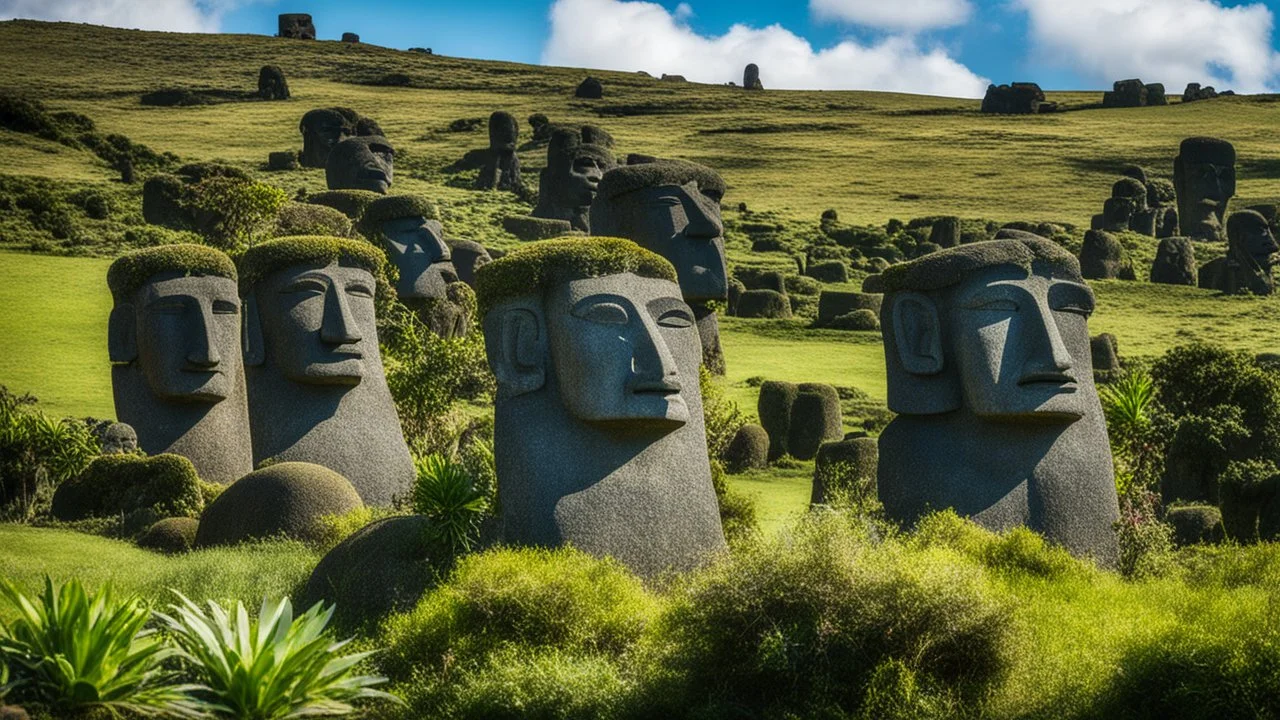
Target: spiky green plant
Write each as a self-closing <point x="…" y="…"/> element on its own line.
<point x="1129" y="406"/>
<point x="70" y="648"/>
<point x="447" y="495"/>
<point x="273" y="667"/>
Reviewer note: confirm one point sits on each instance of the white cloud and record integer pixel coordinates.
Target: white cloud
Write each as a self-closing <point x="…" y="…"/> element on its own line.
<point x="1169" y="41"/>
<point x="172" y="15"/>
<point x="906" y="15"/>
<point x="622" y="35"/>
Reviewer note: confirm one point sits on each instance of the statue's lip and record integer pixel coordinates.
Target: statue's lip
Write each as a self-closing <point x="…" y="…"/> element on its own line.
<point x="373" y="174"/>
<point x="656" y="387"/>
<point x="1049" y="378"/>
<point x="341" y="354"/>
<point x="197" y="370"/>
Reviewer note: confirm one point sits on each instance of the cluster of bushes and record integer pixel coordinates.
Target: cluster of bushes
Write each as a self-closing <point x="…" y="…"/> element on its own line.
<point x="37" y="453"/>
<point x="226" y="207"/>
<point x="75" y="130"/>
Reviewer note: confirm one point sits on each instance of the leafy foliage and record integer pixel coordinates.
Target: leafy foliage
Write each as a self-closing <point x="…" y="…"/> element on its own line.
<point x="274" y="666"/>
<point x="446" y="494"/>
<point x="75" y="649"/>
<point x="37" y="453"/>
<point x="237" y="212"/>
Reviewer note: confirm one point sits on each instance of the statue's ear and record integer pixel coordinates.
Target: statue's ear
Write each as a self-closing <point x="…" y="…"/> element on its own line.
<point x="917" y="333"/>
<point x="516" y="343"/>
<point x="251" y="336"/>
<point x="122" y="334"/>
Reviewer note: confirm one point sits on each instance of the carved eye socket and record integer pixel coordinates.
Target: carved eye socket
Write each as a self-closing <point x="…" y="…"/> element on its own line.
<point x="168" y="307"/>
<point x="223" y="307"/>
<point x="359" y="290"/>
<point x="307" y="287"/>
<point x="675" y="319"/>
<point x="665" y="201"/>
<point x="605" y="313"/>
<point x="1075" y="309"/>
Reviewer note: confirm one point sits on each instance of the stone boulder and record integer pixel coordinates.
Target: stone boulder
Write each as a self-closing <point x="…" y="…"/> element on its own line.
<point x="1175" y="262"/>
<point x="1126" y="94"/>
<point x="1194" y="93"/>
<point x="1015" y="99"/>
<point x="945" y="232"/>
<point x="286" y="499"/>
<point x="271" y="83"/>
<point x="846" y="467"/>
<point x="1156" y="95"/>
<point x="296" y="26"/>
<point x="171" y="535"/>
<point x="1101" y="256"/>
<point x="751" y="77"/>
<point x="350" y="37"/>
<point x="589" y="89"/>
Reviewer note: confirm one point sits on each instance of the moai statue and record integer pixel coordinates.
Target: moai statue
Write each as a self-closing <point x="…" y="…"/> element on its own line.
<point x="1142" y="219"/>
<point x="322" y="129"/>
<point x="468" y="256"/>
<point x="1204" y="176"/>
<point x="672" y="207"/>
<point x="315" y="376"/>
<point x="1163" y="201"/>
<point x="567" y="185"/>
<point x="989" y="372"/>
<point x="119" y="439"/>
<point x="1175" y="262"/>
<point x="501" y="169"/>
<point x="361" y="163"/>
<point x="1251" y="254"/>
<point x="297" y="26"/>
<point x="174" y="343"/>
<point x="598" y="431"/>
<point x="271" y="83"/>
<point x="751" y="78"/>
<point x="408" y="228"/>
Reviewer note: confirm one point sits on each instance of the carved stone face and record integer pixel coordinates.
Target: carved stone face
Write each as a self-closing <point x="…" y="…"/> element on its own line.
<point x="582" y="180"/>
<point x="1203" y="192"/>
<point x="188" y="335"/>
<point x="321" y="133"/>
<point x="625" y="350"/>
<point x="1255" y="241"/>
<point x="318" y="323"/>
<point x="503" y="132"/>
<point x="361" y="163"/>
<point x="119" y="439"/>
<point x="1022" y="345"/>
<point x="416" y="247"/>
<point x="683" y="225"/>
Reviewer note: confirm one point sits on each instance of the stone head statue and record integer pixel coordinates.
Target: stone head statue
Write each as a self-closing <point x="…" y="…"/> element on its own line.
<point x="751" y="77"/>
<point x="272" y="84"/>
<point x="406" y="226"/>
<point x="501" y="170"/>
<point x="1251" y="255"/>
<point x="989" y="369"/>
<point x="119" y="439"/>
<point x="468" y="257"/>
<point x="1204" y="175"/>
<point x="568" y="183"/>
<point x="174" y="344"/>
<point x="314" y="371"/>
<point x="322" y="129"/>
<point x="297" y="26"/>
<point x="596" y="356"/>
<point x="361" y="163"/>
<point x="504" y="132"/>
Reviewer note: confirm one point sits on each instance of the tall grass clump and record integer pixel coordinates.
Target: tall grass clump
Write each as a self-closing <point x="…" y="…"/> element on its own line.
<point x="72" y="650"/>
<point x="271" y="667"/>
<point x="826" y="620"/>
<point x="445" y="492"/>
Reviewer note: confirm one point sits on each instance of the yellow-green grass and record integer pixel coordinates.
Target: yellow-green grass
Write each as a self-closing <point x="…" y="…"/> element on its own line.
<point x="54" y="325"/>
<point x="247" y="573"/>
<point x="781" y="495"/>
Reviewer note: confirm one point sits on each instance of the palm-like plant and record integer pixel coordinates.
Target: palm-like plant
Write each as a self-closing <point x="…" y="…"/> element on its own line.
<point x="1128" y="405"/>
<point x="447" y="495"/>
<point x="274" y="667"/>
<point x="73" y="649"/>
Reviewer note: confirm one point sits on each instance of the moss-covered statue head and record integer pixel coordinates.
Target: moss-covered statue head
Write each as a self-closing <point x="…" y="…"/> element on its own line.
<point x="361" y="163"/>
<point x="408" y="229"/>
<point x="671" y="207"/>
<point x="322" y="129"/>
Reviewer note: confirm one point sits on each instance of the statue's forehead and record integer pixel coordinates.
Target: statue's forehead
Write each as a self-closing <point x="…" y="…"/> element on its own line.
<point x="178" y="283"/>
<point x="640" y="290"/>
<point x="333" y="270"/>
<point x="1040" y="278"/>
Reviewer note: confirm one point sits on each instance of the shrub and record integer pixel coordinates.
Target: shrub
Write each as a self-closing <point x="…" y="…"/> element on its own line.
<point x="763" y="304"/>
<point x="1195" y="524"/>
<point x="159" y="487"/>
<point x="304" y="219"/>
<point x="858" y="320"/>
<point x="235" y="213"/>
<point x="1192" y="379"/>
<point x="299" y="495"/>
<point x="800" y="624"/>
<point x="37" y="453"/>
<point x="722" y="416"/>
<point x="815" y="418"/>
<point x="748" y="450"/>
<point x="273" y="666"/>
<point x="1246" y="487"/>
<point x="830" y="271"/>
<point x="446" y="494"/>
<point x="171" y="535"/>
<point x="844" y="474"/>
<point x="535" y="599"/>
<point x="72" y="649"/>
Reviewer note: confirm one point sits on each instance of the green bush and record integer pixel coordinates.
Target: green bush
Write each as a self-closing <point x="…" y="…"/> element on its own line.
<point x="162" y="486"/>
<point x="37" y="453"/>
<point x="72" y="650"/>
<point x="235" y="213"/>
<point x="446" y="494"/>
<point x="798" y="625"/>
<point x="529" y="598"/>
<point x="1013" y="553"/>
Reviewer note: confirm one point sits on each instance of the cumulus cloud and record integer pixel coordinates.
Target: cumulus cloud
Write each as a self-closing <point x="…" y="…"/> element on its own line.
<point x="1168" y="41"/>
<point x="907" y="15"/>
<point x="172" y="15"/>
<point x="623" y="35"/>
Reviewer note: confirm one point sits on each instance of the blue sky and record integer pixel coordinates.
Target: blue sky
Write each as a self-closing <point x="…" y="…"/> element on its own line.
<point x="936" y="46"/>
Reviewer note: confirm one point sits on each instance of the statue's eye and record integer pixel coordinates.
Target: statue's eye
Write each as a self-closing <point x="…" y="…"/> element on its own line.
<point x="359" y="290"/>
<point x="665" y="201"/>
<point x="1075" y="309"/>
<point x="223" y="307"/>
<point x="168" y="307"/>
<point x="307" y="286"/>
<point x="675" y="319"/>
<point x="605" y="313"/>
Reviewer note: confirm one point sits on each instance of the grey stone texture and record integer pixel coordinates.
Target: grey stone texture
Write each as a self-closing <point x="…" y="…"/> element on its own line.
<point x="285" y="499"/>
<point x="988" y="362"/>
<point x="530" y="229"/>
<point x="1102" y="257"/>
<point x="1251" y="255"/>
<point x="1156" y="95"/>
<point x="406" y="228"/>
<point x="1126" y="94"/>
<point x="1117" y="213"/>
<point x="170" y="536"/>
<point x="945" y="232"/>
<point x="119" y="439"/>
<point x="382" y="568"/>
<point x="350" y="37"/>
<point x="567" y="185"/>
<point x="1194" y="92"/>
<point x="589" y="89"/>
<point x="1204" y="177"/>
<point x="297" y="26"/>
<point x="748" y="450"/>
<point x="176" y="370"/>
<point x="272" y="84"/>
<point x="1175" y="262"/>
<point x="361" y="163"/>
<point x="764" y="304"/>
<point x="673" y="208"/>
<point x="322" y="129"/>
<point x="1104" y="352"/>
<point x="847" y="466"/>
<point x="1015" y="99"/>
<point x="468" y="256"/>
<point x="314" y="370"/>
<point x="751" y="77"/>
<point x="596" y="356"/>
<point x="501" y="169"/>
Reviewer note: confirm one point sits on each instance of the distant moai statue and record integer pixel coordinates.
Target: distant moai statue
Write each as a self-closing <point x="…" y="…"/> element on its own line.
<point x="1204" y="176"/>
<point x="1251" y="252"/>
<point x="361" y="163"/>
<point x="297" y="26"/>
<point x="751" y="77"/>
<point x="272" y="84"/>
<point x="567" y="185"/>
<point x="501" y="169"/>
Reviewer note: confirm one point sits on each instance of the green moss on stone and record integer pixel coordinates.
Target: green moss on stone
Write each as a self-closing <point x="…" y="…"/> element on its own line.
<point x="132" y="270"/>
<point x="394" y="207"/>
<point x="260" y="261"/>
<point x="629" y="178"/>
<point x="534" y="269"/>
<point x="305" y="219"/>
<point x="351" y="203"/>
<point x="947" y="267"/>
